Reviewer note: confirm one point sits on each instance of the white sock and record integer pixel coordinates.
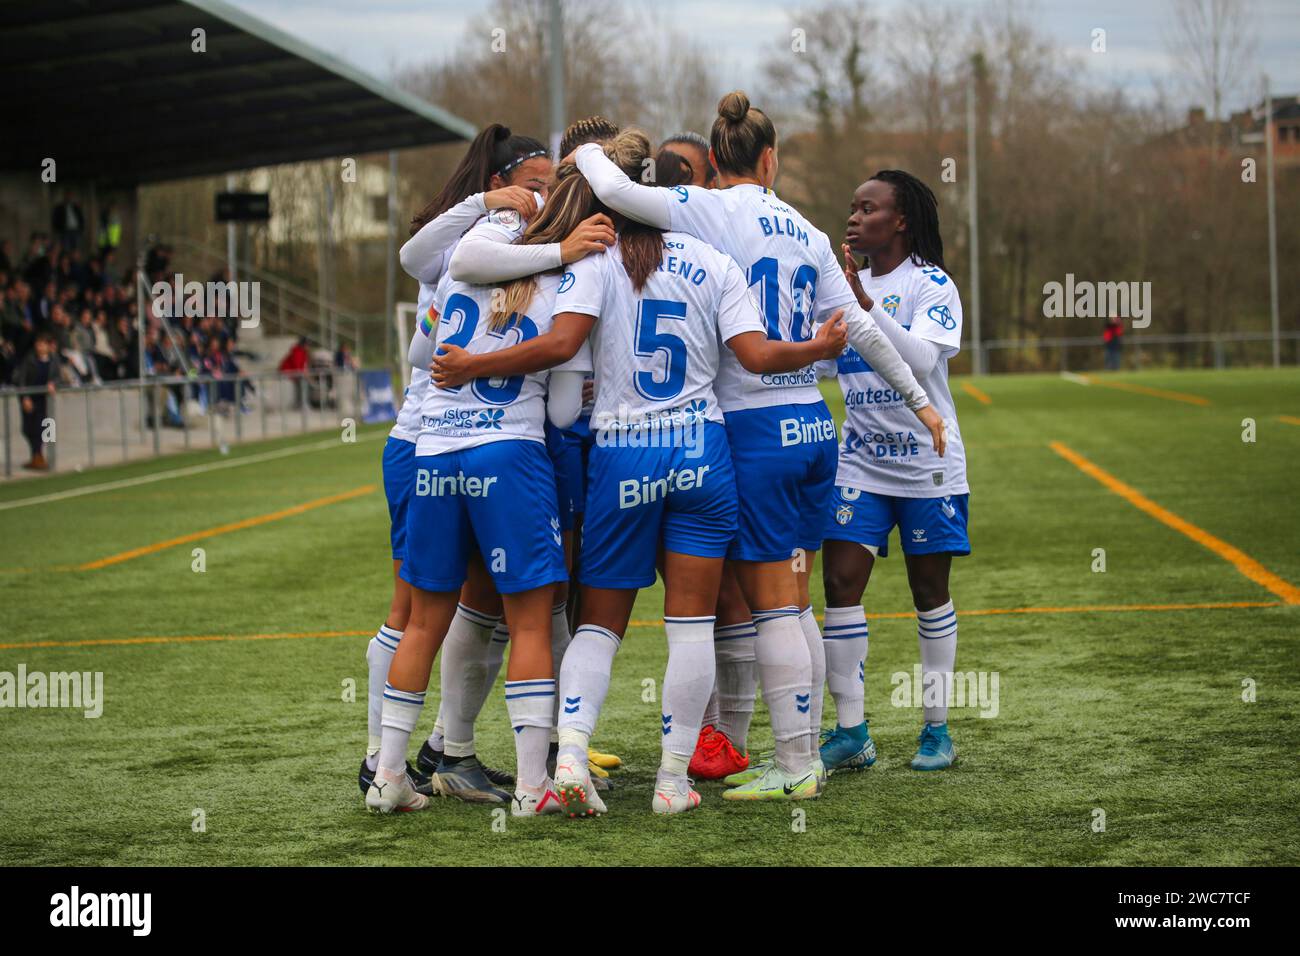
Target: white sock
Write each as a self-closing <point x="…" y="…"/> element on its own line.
<point x="560" y="640"/>
<point x="496" y="652"/>
<point x="711" y="708"/>
<point x="688" y="681"/>
<point x="401" y="714"/>
<point x="786" y="671"/>
<point x="936" y="632"/>
<point x="737" y="679"/>
<point x="465" y="686"/>
<point x="379" y="655"/>
<point x="531" y="705"/>
<point x="493" y="652"/>
<point x="817" y="664"/>
<point x="584" y="682"/>
<point x="846" y="637"/>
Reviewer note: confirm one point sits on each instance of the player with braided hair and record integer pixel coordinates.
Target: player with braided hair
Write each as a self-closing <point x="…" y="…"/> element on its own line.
<point x="889" y="474"/>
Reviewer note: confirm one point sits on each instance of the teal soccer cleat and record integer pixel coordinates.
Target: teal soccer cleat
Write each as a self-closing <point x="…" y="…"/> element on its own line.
<point x="847" y="749"/>
<point x="935" y="750"/>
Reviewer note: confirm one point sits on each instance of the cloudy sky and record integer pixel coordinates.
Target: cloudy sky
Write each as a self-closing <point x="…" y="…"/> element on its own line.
<point x="380" y="35"/>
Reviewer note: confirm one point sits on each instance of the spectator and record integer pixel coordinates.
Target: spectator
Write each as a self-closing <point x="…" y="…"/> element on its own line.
<point x="68" y="222"/>
<point x="1111" y="339"/>
<point x="295" y="363"/>
<point x="344" y="359"/>
<point x="39" y="369"/>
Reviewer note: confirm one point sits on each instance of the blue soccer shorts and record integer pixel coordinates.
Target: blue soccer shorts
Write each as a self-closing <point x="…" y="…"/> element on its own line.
<point x="925" y="525"/>
<point x="637" y="497"/>
<point x="399" y="460"/>
<point x="498" y="497"/>
<point x="785" y="458"/>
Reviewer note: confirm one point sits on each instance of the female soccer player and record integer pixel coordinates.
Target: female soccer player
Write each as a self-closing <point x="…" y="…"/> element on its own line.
<point x="891" y="475"/>
<point x="660" y="474"/>
<point x="511" y="171"/>
<point x="482" y="481"/>
<point x="781" y="433"/>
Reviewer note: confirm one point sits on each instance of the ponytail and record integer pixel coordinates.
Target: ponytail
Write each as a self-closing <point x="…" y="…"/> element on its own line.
<point x="494" y="151"/>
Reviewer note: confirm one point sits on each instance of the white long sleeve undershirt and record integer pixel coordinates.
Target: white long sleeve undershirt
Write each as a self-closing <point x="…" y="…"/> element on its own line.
<point x="871" y="342"/>
<point x="482" y="258"/>
<point x="422" y="256"/>
<point x="920" y="354"/>
<point x="647" y="204"/>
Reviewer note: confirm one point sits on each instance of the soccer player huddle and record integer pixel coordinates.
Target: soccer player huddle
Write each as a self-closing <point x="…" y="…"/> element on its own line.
<point x="614" y="378"/>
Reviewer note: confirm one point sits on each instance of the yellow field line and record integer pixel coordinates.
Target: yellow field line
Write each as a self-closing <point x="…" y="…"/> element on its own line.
<point x="887" y="615"/>
<point x="225" y="529"/>
<point x="1243" y="562"/>
<point x="1144" y="390"/>
<point x="1289" y="419"/>
<point x="975" y="393"/>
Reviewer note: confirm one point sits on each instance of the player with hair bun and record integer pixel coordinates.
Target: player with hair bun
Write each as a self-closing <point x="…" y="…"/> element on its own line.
<point x="781" y="434"/>
<point x="890" y="476"/>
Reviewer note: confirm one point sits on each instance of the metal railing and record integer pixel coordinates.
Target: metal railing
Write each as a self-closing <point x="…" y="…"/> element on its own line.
<point x="1139" y="351"/>
<point x="88" y="425"/>
<point x="288" y="308"/>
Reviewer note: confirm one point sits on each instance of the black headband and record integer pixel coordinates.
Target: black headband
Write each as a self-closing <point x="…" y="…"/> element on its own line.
<point x="521" y="159"/>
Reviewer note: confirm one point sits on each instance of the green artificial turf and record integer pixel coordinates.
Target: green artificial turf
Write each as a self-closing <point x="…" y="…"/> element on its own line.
<point x="1135" y="713"/>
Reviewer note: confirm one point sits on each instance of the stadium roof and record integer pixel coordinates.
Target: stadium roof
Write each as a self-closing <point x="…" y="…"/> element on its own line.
<point x="112" y="90"/>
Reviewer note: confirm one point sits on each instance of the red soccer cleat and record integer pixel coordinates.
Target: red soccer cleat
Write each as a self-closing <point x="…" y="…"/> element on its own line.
<point x="715" y="757"/>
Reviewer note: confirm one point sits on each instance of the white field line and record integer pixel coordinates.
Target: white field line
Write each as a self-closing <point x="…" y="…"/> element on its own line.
<point x="1076" y="379"/>
<point x="177" y="473"/>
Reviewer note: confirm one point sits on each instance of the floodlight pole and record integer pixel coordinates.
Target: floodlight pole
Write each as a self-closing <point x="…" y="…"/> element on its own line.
<point x="977" y="352"/>
<point x="556" y="37"/>
<point x="390" y="279"/>
<point x="230" y="234"/>
<point x="1272" y="225"/>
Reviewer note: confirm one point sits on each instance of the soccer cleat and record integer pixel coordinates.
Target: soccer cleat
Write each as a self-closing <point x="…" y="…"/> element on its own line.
<point x="428" y="759"/>
<point x="757" y="767"/>
<point x="715" y="757"/>
<point x="420" y="783"/>
<point x="851" y="749"/>
<point x="776" y="784"/>
<point x="536" y="801"/>
<point x="819" y="769"/>
<point x="393" y="795"/>
<point x="604" y="761"/>
<point x="673" y="794"/>
<point x="934" y="748"/>
<point x="465" y="780"/>
<point x="573" y="784"/>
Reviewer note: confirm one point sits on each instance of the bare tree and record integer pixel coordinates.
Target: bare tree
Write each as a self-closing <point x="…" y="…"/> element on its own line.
<point x="1212" y="41"/>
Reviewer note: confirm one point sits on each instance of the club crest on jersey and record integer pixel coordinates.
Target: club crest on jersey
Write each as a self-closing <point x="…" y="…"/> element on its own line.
<point x="890" y="304"/>
<point x="936" y="477"/>
<point x="844" y="514"/>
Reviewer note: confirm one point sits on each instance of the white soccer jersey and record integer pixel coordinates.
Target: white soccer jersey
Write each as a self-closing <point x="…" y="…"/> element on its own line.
<point x="884" y="449"/>
<point x="507" y="226"/>
<point x="791" y="269"/>
<point x="407" y="426"/>
<point x="487" y="410"/>
<point x="657" y="351"/>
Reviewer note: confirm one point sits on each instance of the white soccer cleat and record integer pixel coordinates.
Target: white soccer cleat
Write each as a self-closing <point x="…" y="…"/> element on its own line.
<point x="389" y="794"/>
<point x="573" y="784"/>
<point x="673" y="794"/>
<point x="536" y="801"/>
